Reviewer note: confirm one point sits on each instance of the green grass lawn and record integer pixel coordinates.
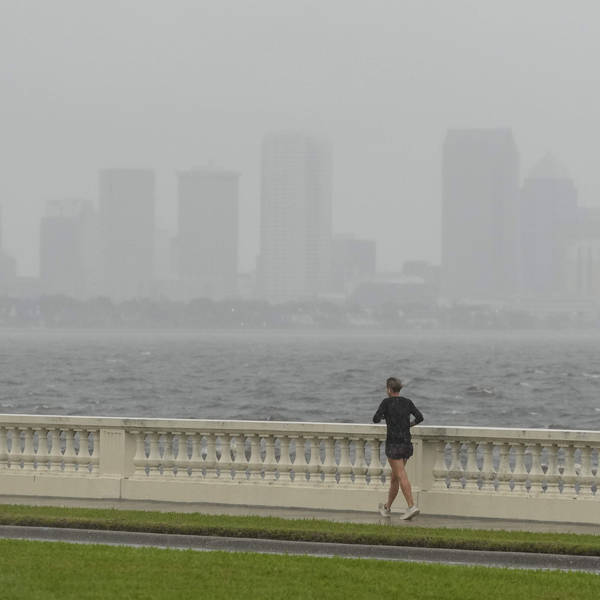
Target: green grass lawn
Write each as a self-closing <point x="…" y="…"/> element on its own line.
<point x="298" y="529"/>
<point x="50" y="570"/>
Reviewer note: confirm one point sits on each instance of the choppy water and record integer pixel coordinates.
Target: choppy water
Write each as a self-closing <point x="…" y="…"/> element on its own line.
<point x="499" y="379"/>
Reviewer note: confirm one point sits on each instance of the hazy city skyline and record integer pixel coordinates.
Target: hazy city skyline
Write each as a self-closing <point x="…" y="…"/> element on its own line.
<point x="170" y="86"/>
<point x="504" y="237"/>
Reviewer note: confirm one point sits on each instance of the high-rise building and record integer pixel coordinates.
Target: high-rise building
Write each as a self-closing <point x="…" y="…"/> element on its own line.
<point x="583" y="255"/>
<point x="126" y="207"/>
<point x="8" y="267"/>
<point x="295" y="241"/>
<point x="64" y="248"/>
<point x="548" y="224"/>
<point x="480" y="214"/>
<point x="163" y="255"/>
<point x="352" y="262"/>
<point x="583" y="275"/>
<point x="208" y="232"/>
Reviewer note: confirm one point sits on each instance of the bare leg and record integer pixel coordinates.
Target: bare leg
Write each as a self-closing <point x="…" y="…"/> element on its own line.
<point x="399" y="481"/>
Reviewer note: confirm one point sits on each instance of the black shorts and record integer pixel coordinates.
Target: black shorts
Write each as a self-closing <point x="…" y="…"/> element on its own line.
<point x="396" y="451"/>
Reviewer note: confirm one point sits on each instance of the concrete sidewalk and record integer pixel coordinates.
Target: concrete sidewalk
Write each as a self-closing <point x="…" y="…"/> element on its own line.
<point x="297" y="513"/>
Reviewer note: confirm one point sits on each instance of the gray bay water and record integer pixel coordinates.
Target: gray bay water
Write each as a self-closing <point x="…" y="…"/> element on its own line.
<point x="492" y="379"/>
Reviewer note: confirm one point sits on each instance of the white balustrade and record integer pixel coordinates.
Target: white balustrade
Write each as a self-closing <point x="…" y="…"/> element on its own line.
<point x="456" y="470"/>
<point x="36" y="448"/>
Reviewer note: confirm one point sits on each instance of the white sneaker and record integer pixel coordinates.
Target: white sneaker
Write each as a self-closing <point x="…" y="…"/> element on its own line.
<point x="383" y="511"/>
<point x="413" y="511"/>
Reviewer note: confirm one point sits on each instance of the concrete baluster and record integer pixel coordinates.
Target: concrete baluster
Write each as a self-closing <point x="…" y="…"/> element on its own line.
<point x="3" y="450"/>
<point x="168" y="458"/>
<point x="586" y="476"/>
<point x="139" y="460"/>
<point x="270" y="464"/>
<point x="180" y="457"/>
<point x="329" y="466"/>
<point x="195" y="463"/>
<point x="225" y="462"/>
<point x="471" y="472"/>
<point x="190" y="459"/>
<point x="372" y="469"/>
<point x="386" y="470"/>
<point x="13" y="451"/>
<point x="536" y="475"/>
<point x="595" y="469"/>
<point x="360" y="466"/>
<point x="218" y="453"/>
<point x="487" y="468"/>
<point x="255" y="465"/>
<point x="55" y="458"/>
<point x="180" y="453"/>
<point x="569" y="473"/>
<point x="455" y="471"/>
<point x="313" y="466"/>
<point x="154" y="458"/>
<point x="520" y="472"/>
<point x="243" y="461"/>
<point x="83" y="457"/>
<point x="440" y="471"/>
<point x="238" y="460"/>
<point x="28" y="455"/>
<point x="345" y="466"/>
<point x="503" y="475"/>
<point x="95" y="457"/>
<point x="552" y="474"/>
<point x="70" y="456"/>
<point x="300" y="463"/>
<point x="284" y="466"/>
<point x="210" y="462"/>
<point x="43" y="452"/>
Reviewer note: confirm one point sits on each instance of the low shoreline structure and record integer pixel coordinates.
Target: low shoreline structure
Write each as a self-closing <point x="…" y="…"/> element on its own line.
<point x="502" y="473"/>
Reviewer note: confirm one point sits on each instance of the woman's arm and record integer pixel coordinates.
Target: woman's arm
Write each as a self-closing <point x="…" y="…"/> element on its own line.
<point x="380" y="414"/>
<point x="416" y="413"/>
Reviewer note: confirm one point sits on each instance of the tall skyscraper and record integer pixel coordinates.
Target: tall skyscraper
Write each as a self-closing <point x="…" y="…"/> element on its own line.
<point x="480" y="213"/>
<point x="208" y="232"/>
<point x="295" y="241"/>
<point x="548" y="224"/>
<point x="62" y="269"/>
<point x="8" y="266"/>
<point x="583" y="255"/>
<point x="127" y="206"/>
<point x="352" y="261"/>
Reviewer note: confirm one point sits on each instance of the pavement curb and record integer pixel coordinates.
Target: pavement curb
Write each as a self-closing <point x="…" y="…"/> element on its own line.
<point x="512" y="560"/>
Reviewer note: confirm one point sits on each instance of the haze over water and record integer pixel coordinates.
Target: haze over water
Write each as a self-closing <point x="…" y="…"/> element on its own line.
<point x="534" y="379"/>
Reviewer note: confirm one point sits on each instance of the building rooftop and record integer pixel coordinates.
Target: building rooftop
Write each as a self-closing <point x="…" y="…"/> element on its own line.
<point x="549" y="167"/>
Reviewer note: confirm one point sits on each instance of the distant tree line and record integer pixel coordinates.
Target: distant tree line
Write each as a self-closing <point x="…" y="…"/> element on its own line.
<point x="63" y="312"/>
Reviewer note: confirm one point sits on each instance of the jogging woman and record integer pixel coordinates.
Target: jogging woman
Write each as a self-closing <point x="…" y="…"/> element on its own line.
<point x="396" y="410"/>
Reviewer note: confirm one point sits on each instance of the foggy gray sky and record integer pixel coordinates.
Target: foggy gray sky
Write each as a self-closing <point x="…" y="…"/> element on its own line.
<point x="175" y="83"/>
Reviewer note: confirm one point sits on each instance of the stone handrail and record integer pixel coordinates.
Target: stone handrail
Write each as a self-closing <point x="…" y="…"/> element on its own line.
<point x="471" y="471"/>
